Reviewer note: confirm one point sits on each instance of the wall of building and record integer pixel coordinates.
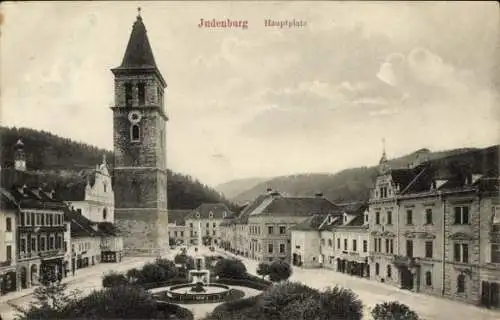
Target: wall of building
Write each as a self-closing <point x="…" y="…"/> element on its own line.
<point x="275" y="239"/>
<point x="306" y="244"/>
<point x="327" y="250"/>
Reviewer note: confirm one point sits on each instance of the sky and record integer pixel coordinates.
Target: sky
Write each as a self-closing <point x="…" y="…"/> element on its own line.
<point x="261" y="101"/>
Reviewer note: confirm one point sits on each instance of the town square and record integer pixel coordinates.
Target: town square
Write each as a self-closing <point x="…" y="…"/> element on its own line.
<point x="185" y="160"/>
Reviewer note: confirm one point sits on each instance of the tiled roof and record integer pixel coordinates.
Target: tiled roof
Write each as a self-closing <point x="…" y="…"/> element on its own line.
<point x="298" y="206"/>
<point x="248" y="209"/>
<point x="108" y="229"/>
<point x="312" y="223"/>
<point x="81" y="226"/>
<point x="29" y="191"/>
<point x="7" y="201"/>
<point x="74" y="189"/>
<point x="354" y="207"/>
<point x="178" y="216"/>
<point x="402" y="177"/>
<point x="358" y="221"/>
<point x="217" y="209"/>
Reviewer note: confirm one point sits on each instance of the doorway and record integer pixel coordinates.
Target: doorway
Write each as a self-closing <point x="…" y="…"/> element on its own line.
<point x="490" y="292"/>
<point x="406" y="278"/>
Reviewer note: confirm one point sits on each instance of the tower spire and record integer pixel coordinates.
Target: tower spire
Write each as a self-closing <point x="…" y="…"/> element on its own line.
<point x="383" y="166"/>
<point x="139" y="13"/>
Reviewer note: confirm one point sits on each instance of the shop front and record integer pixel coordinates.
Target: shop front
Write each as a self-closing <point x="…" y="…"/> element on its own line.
<point x="52" y="269"/>
<point x="8" y="282"/>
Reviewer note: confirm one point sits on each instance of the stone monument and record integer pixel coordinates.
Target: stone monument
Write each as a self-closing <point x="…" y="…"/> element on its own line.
<point x="200" y="273"/>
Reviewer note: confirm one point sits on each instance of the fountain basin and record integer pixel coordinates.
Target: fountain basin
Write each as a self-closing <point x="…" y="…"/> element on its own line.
<point x="214" y="292"/>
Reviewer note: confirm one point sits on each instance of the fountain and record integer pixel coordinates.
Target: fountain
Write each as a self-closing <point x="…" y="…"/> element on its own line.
<point x="198" y="287"/>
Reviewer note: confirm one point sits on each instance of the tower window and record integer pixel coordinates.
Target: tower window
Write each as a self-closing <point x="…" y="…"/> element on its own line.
<point x="141" y="88"/>
<point x="128" y="94"/>
<point x="135" y="133"/>
<point x="104" y="213"/>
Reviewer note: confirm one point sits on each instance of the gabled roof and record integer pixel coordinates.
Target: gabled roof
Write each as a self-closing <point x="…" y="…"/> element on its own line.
<point x="218" y="210"/>
<point x="311" y="223"/>
<point x="295" y="206"/>
<point x="353" y="208"/>
<point x="108" y="229"/>
<point x="80" y="225"/>
<point x="178" y="217"/>
<point x="7" y="201"/>
<point x="249" y="208"/>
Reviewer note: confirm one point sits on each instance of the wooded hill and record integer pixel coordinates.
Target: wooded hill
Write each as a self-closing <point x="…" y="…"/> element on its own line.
<point x="61" y="158"/>
<point x="354" y="184"/>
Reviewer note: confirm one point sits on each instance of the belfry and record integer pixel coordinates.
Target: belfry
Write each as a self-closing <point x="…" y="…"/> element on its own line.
<point x="139" y="139"/>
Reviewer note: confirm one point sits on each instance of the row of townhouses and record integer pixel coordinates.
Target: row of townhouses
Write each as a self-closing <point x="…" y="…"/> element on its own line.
<point x="184" y="225"/>
<point x="51" y="230"/>
<point x="425" y="228"/>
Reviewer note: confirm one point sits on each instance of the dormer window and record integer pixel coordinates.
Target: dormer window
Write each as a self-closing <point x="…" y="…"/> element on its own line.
<point x="197" y="214"/>
<point x="345" y="218"/>
<point x="211" y="215"/>
<point x="224" y="214"/>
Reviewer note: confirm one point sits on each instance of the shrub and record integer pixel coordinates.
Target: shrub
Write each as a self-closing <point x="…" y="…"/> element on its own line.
<point x="134" y="275"/>
<point x="50" y="300"/>
<point x="114" y="279"/>
<point x="152" y="272"/>
<point x="279" y="270"/>
<point x="276" y="298"/>
<point x="230" y="268"/>
<point x="333" y="304"/>
<point x="393" y="311"/>
<point x="263" y="269"/>
<point x="121" y="302"/>
<point x="243" y="282"/>
<point x="168" y="267"/>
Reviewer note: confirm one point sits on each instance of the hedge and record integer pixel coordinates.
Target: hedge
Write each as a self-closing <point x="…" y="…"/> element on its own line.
<point x="244" y="283"/>
<point x="169" y="283"/>
<point x="171" y="308"/>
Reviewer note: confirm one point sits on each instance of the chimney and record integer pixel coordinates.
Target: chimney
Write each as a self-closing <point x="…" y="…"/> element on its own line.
<point x="269" y="190"/>
<point x="19" y="156"/>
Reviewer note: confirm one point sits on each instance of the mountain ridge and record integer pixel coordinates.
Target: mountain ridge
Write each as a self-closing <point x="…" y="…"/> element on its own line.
<point x="353" y="184"/>
<point x="58" y="158"/>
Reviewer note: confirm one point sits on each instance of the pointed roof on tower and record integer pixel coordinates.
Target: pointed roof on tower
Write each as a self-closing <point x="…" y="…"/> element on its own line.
<point x="139" y="54"/>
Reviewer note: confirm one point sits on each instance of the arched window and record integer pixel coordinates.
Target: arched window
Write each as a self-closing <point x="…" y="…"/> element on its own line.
<point x="428" y="278"/>
<point x="461" y="284"/>
<point x="377" y="268"/>
<point x="389" y="271"/>
<point x="105" y="186"/>
<point x="104" y="213"/>
<point x="135" y="133"/>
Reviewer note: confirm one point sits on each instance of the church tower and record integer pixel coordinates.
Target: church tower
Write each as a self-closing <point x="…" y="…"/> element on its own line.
<point x="139" y="137"/>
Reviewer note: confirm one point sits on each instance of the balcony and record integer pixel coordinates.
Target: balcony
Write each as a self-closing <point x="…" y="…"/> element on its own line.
<point x="6" y="263"/>
<point x="51" y="253"/>
<point x="60" y="228"/>
<point x="403" y="261"/>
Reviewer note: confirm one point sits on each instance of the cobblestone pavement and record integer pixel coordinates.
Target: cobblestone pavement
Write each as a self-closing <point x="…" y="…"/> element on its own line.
<point x="371" y="293"/>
